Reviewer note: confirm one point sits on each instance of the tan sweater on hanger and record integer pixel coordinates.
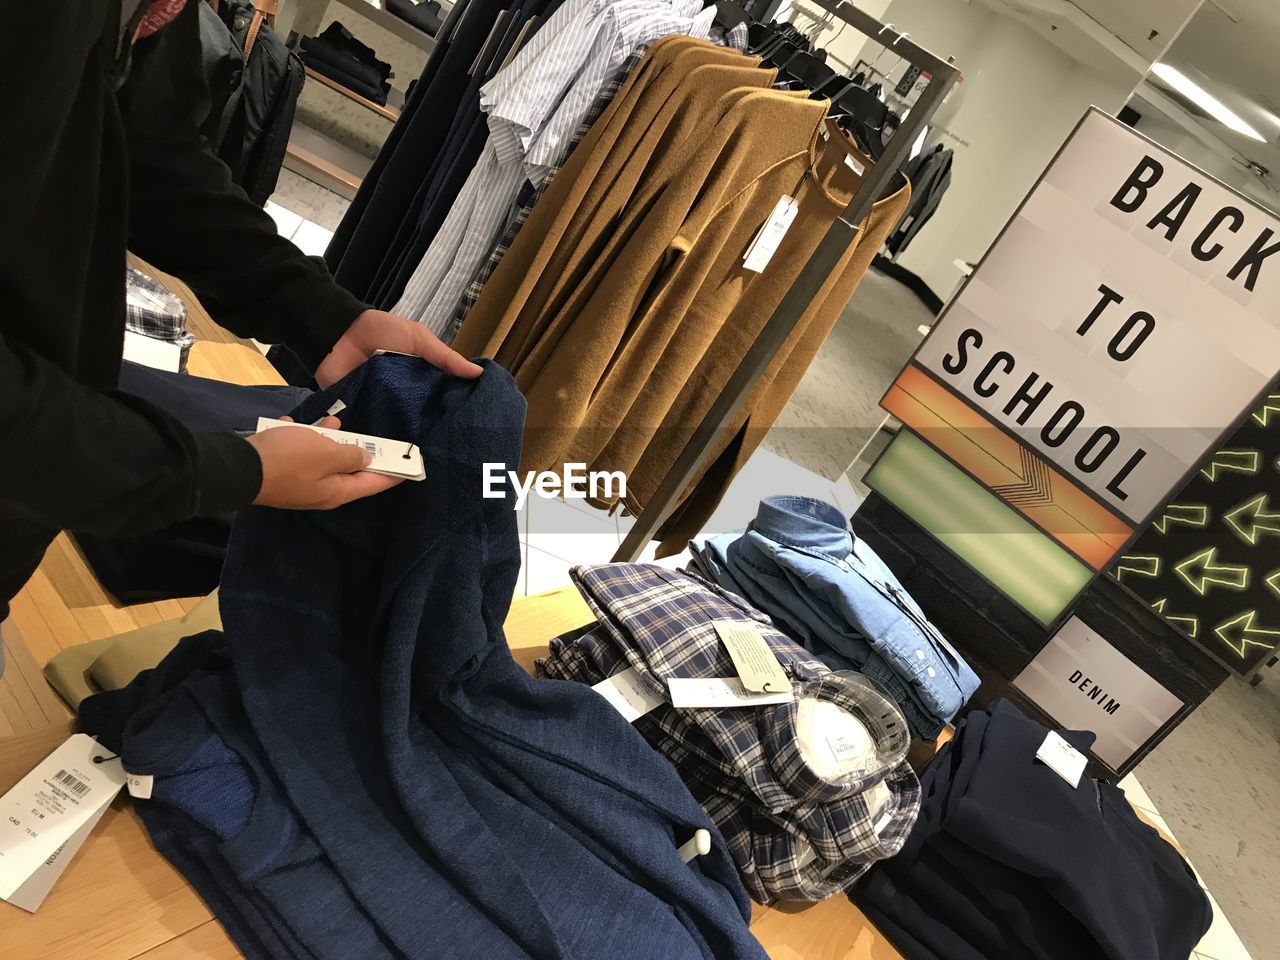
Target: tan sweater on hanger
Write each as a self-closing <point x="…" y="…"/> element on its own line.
<point x="654" y="301"/>
<point x="574" y="207"/>
<point x="781" y="378"/>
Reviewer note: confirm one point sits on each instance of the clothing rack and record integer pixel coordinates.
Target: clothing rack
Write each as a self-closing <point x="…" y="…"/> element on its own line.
<point x="873" y="72"/>
<point x="839" y="236"/>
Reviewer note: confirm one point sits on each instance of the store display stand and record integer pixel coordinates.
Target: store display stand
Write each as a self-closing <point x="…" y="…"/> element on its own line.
<point x="839" y="236"/>
<point x="316" y="155"/>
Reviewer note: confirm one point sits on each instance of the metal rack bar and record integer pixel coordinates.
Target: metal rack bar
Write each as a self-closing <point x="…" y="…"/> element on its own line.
<point x="839" y="236"/>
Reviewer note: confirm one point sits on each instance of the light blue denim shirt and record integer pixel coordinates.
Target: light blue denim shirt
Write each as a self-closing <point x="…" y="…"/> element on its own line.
<point x="800" y="562"/>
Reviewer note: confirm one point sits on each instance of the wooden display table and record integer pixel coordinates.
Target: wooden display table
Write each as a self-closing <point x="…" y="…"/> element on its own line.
<point x="119" y="899"/>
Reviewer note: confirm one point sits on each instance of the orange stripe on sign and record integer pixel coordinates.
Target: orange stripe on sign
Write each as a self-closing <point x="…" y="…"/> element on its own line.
<point x="1013" y="472"/>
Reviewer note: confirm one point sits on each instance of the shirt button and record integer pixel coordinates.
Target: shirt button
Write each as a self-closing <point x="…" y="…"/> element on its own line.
<point x="919" y="654"/>
<point x="932" y="672"/>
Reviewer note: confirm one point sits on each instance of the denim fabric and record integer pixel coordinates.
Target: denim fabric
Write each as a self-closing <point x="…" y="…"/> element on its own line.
<point x="1009" y="860"/>
<point x="462" y="807"/>
<point x="800" y="563"/>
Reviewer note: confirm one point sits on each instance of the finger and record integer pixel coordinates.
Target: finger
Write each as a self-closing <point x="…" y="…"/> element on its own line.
<point x="430" y="349"/>
<point x="345" y="487"/>
<point x="346" y="458"/>
<point x="330" y="423"/>
<point x="287" y="419"/>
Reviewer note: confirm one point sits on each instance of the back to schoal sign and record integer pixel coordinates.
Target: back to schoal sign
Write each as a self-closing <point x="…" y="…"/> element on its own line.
<point x="576" y="483"/>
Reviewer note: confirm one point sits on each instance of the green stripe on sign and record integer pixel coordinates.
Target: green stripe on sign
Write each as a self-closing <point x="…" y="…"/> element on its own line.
<point x="978" y="527"/>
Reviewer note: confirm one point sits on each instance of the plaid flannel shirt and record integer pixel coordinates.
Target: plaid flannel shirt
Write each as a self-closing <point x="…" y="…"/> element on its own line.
<point x="153" y="310"/>
<point x="793" y="833"/>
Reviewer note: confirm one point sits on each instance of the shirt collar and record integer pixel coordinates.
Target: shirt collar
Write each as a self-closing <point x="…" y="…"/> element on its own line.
<point x="805" y="522"/>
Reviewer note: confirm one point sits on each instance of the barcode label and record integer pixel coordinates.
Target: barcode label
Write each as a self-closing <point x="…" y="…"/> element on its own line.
<point x="370" y="448"/>
<point x="72" y="783"/>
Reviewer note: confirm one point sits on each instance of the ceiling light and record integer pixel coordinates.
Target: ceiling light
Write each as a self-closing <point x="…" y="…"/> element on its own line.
<point x="1203" y="99"/>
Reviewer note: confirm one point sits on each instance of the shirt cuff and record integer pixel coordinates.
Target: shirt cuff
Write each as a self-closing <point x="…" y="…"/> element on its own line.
<point x="228" y="473"/>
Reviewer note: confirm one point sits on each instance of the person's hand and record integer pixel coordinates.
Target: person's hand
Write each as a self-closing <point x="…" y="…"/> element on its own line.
<point x="379" y="330"/>
<point x="302" y="470"/>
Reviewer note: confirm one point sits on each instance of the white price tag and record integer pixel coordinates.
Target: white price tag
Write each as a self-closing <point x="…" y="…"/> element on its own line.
<point x="628" y="694"/>
<point x="394" y="458"/>
<point x="766" y="242"/>
<point x="31" y="894"/>
<point x="50" y="804"/>
<point x="757" y="665"/>
<point x="854" y="165"/>
<point x="687" y="692"/>
<point x="1064" y="759"/>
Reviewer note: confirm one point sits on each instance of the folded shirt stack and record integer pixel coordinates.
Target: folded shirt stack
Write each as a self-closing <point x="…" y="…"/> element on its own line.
<point x="800" y="562"/>
<point x="355" y="767"/>
<point x="1008" y="860"/>
<point x="338" y="55"/>
<point x="807" y="793"/>
<point x="155" y="311"/>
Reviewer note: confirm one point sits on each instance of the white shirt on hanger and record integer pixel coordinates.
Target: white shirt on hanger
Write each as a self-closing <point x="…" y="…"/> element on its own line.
<point x="534" y="105"/>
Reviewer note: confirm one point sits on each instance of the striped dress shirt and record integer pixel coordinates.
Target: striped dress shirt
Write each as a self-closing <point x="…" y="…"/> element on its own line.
<point x="535" y="105"/>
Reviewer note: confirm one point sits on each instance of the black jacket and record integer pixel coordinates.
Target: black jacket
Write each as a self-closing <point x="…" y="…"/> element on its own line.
<point x="90" y="165"/>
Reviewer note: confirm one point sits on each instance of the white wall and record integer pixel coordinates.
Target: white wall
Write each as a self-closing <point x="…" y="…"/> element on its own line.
<point x="1020" y="99"/>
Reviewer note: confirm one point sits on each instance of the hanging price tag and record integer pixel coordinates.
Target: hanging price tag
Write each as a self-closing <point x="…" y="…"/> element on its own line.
<point x="50" y="805"/>
<point x="1064" y="759"/>
<point x="394" y="458"/>
<point x="692" y="692"/>
<point x="758" y="668"/>
<point x="766" y="242"/>
<point x="628" y="694"/>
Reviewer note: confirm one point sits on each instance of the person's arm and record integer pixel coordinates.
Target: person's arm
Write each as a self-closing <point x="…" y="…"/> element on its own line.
<point x="187" y="217"/>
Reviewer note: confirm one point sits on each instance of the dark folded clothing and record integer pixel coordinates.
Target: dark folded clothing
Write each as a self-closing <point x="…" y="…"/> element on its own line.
<point x="376" y="92"/>
<point x="1009" y="861"/>
<point x="338" y="48"/>
<point x="425" y="16"/>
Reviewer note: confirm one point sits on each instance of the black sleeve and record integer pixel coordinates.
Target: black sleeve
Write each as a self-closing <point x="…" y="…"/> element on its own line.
<point x="74" y="456"/>
<point x="187" y="217"/>
<point x="109" y="463"/>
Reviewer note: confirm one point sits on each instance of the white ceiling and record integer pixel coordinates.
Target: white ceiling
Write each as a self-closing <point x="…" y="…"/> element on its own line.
<point x="1133" y="21"/>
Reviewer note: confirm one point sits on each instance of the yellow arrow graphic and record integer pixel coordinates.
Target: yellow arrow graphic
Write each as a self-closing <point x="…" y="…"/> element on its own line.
<point x="1232" y="461"/>
<point x="1200" y="571"/>
<point x="1190" y="624"/>
<point x="1240" y="632"/>
<point x="1272" y="580"/>
<point x="1188" y="514"/>
<point x="1270" y="408"/>
<point x="1251" y="520"/>
<point x="1138" y="564"/>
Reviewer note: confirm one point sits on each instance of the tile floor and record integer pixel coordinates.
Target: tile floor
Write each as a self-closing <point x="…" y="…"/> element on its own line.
<point x="310" y="237"/>
<point x="1221" y="942"/>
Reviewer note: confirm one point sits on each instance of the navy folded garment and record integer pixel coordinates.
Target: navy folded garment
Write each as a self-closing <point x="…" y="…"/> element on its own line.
<point x="217" y="813"/>
<point x="1007" y="860"/>
<point x="461" y="807"/>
